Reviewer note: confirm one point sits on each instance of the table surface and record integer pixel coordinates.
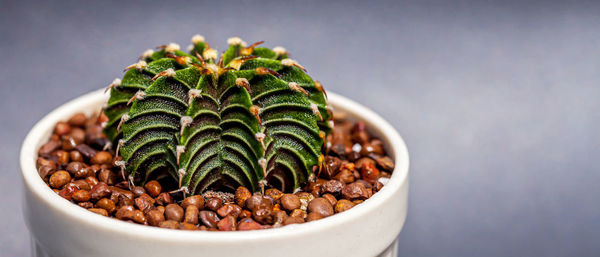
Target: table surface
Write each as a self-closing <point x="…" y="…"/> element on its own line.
<point x="498" y="102"/>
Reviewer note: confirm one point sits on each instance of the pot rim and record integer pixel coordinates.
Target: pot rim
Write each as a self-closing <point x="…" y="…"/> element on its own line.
<point x="40" y="132"/>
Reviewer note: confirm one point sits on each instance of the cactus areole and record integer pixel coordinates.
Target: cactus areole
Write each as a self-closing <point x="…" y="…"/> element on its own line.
<point x="252" y="118"/>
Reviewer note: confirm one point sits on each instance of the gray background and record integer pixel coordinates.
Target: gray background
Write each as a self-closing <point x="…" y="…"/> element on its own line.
<point x="497" y="101"/>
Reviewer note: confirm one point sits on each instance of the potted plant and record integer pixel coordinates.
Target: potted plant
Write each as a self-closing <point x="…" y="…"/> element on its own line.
<point x="193" y="141"/>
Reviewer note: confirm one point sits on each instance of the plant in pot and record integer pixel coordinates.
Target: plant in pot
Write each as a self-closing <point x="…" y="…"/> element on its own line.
<point x="196" y="142"/>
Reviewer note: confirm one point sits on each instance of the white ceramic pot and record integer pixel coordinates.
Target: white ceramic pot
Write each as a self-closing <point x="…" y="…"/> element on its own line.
<point x="61" y="229"/>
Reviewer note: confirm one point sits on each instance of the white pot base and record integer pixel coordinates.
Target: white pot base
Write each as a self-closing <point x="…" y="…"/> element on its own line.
<point x="38" y="251"/>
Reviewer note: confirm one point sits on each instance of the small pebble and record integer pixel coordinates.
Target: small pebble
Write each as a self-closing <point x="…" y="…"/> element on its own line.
<point x="313" y="216"/>
<point x="209" y="218"/>
<point x="187" y="226"/>
<point x="106" y="204"/>
<point x="77" y="119"/>
<point x="62" y="128"/>
<point x="298" y="213"/>
<point x="332" y="200"/>
<point x="75" y="156"/>
<point x="248" y="224"/>
<point x="164" y="199"/>
<point x="102" y="157"/>
<point x="81" y="196"/>
<point x="174" y="212"/>
<point x="169" y="224"/>
<point x="138" y="191"/>
<point x="214" y="203"/>
<point x="195" y="200"/>
<point x="259" y="202"/>
<point x="227" y="224"/>
<point x="343" y="205"/>
<point x="263" y="215"/>
<point x="332" y="187"/>
<point x="45" y="171"/>
<point x="59" y="179"/>
<point x="233" y="210"/>
<point x="191" y="214"/>
<point x="355" y="191"/>
<point x="293" y="220"/>
<point x="290" y="202"/>
<point x="153" y="188"/>
<point x="321" y="206"/>
<point x="99" y="191"/>
<point x="144" y="202"/>
<point x="155" y="217"/>
<point x="99" y="211"/>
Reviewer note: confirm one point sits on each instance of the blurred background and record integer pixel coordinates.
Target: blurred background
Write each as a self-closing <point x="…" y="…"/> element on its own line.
<point x="498" y="101"/>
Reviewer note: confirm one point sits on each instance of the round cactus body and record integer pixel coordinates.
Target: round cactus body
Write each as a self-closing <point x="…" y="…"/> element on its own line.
<point x="252" y="117"/>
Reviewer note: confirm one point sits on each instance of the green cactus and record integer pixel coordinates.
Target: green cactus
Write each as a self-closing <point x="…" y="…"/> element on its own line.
<point x="253" y="118"/>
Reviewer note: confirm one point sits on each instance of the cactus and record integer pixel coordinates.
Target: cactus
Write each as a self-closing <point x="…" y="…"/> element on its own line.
<point x="252" y="118"/>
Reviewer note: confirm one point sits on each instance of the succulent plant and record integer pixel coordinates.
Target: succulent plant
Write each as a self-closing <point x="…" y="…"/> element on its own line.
<point x="251" y="118"/>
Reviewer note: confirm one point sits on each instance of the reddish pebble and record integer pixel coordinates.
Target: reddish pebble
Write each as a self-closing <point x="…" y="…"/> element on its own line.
<point x="92" y="181"/>
<point x="98" y="211"/>
<point x="259" y="202"/>
<point x="59" y="179"/>
<point x="354" y="191"/>
<point x="81" y="196"/>
<point x="195" y="200"/>
<point x="68" y="191"/>
<point x="138" y="191"/>
<point x="321" y="206"/>
<point x="227" y="224"/>
<point x="214" y="203"/>
<point x="102" y="157"/>
<point x="369" y="173"/>
<point x="332" y="187"/>
<point x="248" y="224"/>
<point x="48" y="148"/>
<point x="191" y="215"/>
<point x="209" y="218"/>
<point x="332" y="200"/>
<point x="153" y="188"/>
<point x="298" y="213"/>
<point x="106" y="204"/>
<point x="313" y="216"/>
<point x="290" y="202"/>
<point x="62" y="128"/>
<point x="75" y="156"/>
<point x="229" y="210"/>
<point x="144" y="202"/>
<point x="343" y="205"/>
<point x="99" y="191"/>
<point x="125" y="213"/>
<point x="174" y="212"/>
<point x="187" y="226"/>
<point x="169" y="224"/>
<point x="138" y="217"/>
<point x="108" y="176"/>
<point x="263" y="215"/>
<point x="164" y="199"/>
<point x="78" y="119"/>
<point x="155" y="217"/>
<point x="293" y="220"/>
<point x="345" y="176"/>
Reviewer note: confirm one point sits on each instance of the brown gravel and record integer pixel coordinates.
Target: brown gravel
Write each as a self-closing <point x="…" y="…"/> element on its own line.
<point x="76" y="166"/>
